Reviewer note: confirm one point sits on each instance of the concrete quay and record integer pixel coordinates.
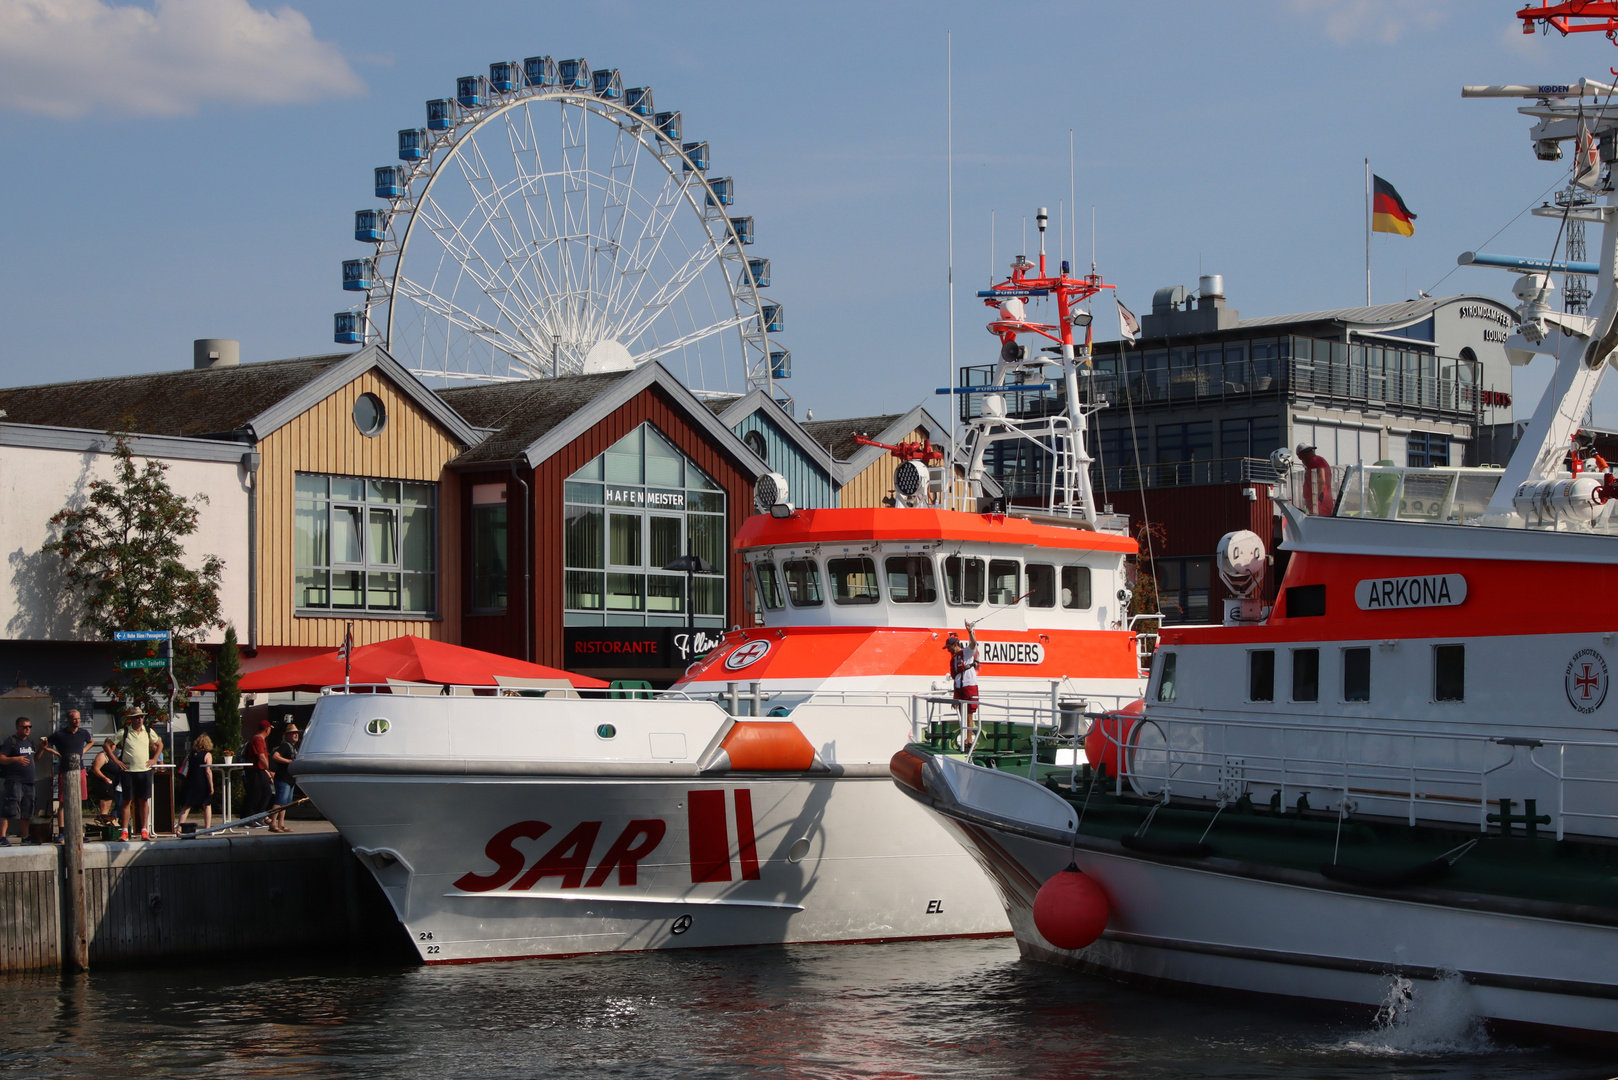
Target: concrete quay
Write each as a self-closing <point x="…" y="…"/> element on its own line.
<point x="175" y="899"/>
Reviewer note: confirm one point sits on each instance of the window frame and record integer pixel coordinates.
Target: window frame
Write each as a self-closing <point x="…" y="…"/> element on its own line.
<point x="964" y="579"/>
<point x="372" y="575"/>
<point x="1052" y="592"/>
<point x="1314" y="653"/>
<point x="921" y="570"/>
<point x="1351" y="656"/>
<point x="1252" y="657"/>
<point x="1459" y="649"/>
<point x="1081" y="573"/>
<point x="852" y="599"/>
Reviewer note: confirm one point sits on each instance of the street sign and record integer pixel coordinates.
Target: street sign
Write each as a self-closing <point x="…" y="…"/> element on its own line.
<point x="144" y="662"/>
<point x="140" y="635"/>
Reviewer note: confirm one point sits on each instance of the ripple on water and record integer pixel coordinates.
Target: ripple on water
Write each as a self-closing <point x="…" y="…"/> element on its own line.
<point x="936" y="1009"/>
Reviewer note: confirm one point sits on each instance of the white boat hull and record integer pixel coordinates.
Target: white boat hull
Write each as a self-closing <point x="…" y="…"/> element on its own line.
<point x="1217" y="924"/>
<point x="556" y="852"/>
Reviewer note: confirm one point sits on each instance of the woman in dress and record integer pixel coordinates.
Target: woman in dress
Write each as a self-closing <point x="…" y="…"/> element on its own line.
<point x="197" y="793"/>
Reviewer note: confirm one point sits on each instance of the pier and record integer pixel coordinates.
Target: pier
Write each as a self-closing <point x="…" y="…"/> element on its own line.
<point x="174" y="899"/>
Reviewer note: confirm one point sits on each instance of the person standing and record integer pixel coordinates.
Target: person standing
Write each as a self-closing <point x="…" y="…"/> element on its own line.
<point x="105" y="775"/>
<point x="67" y="745"/>
<point x="17" y="781"/>
<point x="256" y="755"/>
<point x="963" y="669"/>
<point x="137" y="747"/>
<point x="197" y="792"/>
<point x="281" y="766"/>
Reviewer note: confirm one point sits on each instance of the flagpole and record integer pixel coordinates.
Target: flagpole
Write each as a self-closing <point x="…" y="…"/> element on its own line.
<point x="949" y="171"/>
<point x="1367" y="232"/>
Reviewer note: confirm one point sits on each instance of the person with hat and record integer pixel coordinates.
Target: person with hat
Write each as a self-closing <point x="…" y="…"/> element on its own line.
<point x="137" y="747"/>
<point x="281" y="766"/>
<point x="256" y="756"/>
<point x="963" y="669"/>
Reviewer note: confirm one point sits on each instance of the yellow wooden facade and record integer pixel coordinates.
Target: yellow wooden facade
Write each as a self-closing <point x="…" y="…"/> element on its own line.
<point x="875" y="482"/>
<point x="411" y="446"/>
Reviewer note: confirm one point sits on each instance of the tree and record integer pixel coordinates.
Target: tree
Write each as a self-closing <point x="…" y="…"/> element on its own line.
<point x="227" y="707"/>
<point x="123" y="550"/>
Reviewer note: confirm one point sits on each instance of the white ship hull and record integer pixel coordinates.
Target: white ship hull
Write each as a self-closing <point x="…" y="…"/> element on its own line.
<point x="1222" y="925"/>
<point x="560" y="849"/>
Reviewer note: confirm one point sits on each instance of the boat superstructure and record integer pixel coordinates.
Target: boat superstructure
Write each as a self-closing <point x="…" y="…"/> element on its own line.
<point x="1406" y="770"/>
<point x="741" y="805"/>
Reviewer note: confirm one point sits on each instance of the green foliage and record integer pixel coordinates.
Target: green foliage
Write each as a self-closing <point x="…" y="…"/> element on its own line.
<point x="1143" y="595"/>
<point x="124" y="551"/>
<point x="227" y="708"/>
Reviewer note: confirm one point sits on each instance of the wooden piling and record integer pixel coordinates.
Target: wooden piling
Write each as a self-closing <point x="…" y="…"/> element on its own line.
<point x="76" y="934"/>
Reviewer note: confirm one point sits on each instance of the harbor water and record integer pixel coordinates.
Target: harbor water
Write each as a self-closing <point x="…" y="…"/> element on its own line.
<point x="926" y="1009"/>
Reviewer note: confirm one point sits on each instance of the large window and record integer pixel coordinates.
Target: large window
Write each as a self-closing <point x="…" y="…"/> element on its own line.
<point x="628" y="514"/>
<point x="364" y="545"/>
<point x="963" y="581"/>
<point x="1182" y="589"/>
<point x="910" y="579"/>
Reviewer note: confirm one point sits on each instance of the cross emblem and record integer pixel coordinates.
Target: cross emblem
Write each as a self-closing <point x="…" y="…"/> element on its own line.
<point x="1587" y="682"/>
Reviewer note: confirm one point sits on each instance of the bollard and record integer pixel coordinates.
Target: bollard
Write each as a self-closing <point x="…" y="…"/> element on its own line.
<point x="77" y="934"/>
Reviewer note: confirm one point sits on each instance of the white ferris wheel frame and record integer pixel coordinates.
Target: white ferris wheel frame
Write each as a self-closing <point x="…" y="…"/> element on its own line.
<point x="689" y="182"/>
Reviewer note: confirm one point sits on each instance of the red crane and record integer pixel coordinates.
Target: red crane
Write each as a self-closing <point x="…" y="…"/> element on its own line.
<point x="1574" y="17"/>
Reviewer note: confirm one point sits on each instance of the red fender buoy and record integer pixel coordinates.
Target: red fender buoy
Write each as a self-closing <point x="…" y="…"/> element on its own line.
<point x="1071" y="910"/>
<point x="1110" y="734"/>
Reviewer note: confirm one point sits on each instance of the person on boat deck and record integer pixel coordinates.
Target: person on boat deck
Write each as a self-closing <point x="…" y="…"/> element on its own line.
<point x="963" y="669"/>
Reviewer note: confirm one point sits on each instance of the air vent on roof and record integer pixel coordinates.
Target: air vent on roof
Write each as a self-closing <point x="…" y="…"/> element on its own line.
<point x="215" y="352"/>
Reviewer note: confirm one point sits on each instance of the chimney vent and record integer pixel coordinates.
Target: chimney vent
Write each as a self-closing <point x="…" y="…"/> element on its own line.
<point x="215" y="353"/>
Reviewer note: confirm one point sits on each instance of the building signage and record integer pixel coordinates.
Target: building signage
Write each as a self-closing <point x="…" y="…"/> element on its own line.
<point x="1586" y="680"/>
<point x="587" y="647"/>
<point x="1435" y="590"/>
<point x="140" y="635"/>
<point x="651" y="498"/>
<point x="1011" y="652"/>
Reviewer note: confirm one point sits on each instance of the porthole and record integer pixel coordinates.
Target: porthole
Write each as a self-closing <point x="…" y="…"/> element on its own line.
<point x="370" y="416"/>
<point x="606" y="731"/>
<point x="378" y="726"/>
<point x="799" y="848"/>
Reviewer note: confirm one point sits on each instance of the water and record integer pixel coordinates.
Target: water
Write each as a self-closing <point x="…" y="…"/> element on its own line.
<point x="932" y="1009"/>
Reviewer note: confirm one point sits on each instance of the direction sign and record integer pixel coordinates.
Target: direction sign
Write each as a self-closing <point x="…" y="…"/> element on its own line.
<point x="144" y="662"/>
<point x="140" y="635"/>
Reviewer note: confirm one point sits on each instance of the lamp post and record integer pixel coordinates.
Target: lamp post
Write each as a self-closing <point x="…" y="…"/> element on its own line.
<point x="691" y="564"/>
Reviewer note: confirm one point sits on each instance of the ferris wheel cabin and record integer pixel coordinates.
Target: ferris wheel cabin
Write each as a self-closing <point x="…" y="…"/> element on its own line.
<point x="505" y="76"/>
<point x="639" y="100"/>
<point x="539" y="71"/>
<point x="771" y="315"/>
<point x="472" y="91"/>
<point x="441" y="114"/>
<point x="722" y="191"/>
<point x="359" y="274"/>
<point x="371" y="226"/>
<point x="608" y="84"/>
<point x="413" y="144"/>
<point x="573" y="74"/>
<point x="349" y="328"/>
<point x="742" y="229"/>
<point x="756" y="273"/>
<point x="669" y="124"/>
<point x="392" y="182"/>
<point x="696" y="153"/>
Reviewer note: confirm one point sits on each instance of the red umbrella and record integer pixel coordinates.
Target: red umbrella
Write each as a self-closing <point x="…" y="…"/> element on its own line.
<point x="406" y="659"/>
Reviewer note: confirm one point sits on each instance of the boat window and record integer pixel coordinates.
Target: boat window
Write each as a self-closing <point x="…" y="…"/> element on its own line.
<point x="853" y="581"/>
<point x="910" y="580"/>
<point x="1357" y="674"/>
<point x="1005" y="581"/>
<point x="1076" y="587"/>
<point x="963" y="580"/>
<point x="1305" y="674"/>
<point x="1165" y="676"/>
<point x="769" y="585"/>
<point x="1449" y="672"/>
<point x="1305" y="600"/>
<point x="1261" y="675"/>
<point x="803" y="582"/>
<point x="1041" y="585"/>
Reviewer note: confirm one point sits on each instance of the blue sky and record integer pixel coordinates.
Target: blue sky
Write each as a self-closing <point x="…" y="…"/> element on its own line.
<point x="199" y="177"/>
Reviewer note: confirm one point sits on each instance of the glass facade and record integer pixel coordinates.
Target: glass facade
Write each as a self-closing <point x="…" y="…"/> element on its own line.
<point x="364" y="545"/>
<point x="628" y="514"/>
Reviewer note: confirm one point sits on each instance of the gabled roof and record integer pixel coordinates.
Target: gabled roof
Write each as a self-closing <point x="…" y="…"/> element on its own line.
<point x="533" y="420"/>
<point x="244" y="402"/>
<point x="1377" y="316"/>
<point x="739" y="409"/>
<point x="854" y="458"/>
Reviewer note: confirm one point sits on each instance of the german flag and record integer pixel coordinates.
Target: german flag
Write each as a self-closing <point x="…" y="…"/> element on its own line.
<point x="1389" y="212"/>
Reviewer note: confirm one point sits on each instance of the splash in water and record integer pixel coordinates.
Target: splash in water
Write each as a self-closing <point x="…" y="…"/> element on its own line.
<point x="1426" y="1018"/>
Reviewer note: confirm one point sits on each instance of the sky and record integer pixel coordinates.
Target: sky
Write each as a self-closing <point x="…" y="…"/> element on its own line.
<point x="190" y="168"/>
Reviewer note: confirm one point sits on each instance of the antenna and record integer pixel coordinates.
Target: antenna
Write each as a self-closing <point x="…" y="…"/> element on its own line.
<point x="1073" y="198"/>
<point x="949" y="170"/>
<point x="991" y="247"/>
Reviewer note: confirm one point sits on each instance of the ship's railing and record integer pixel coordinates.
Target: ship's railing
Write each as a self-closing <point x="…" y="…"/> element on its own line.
<point x="1430" y="775"/>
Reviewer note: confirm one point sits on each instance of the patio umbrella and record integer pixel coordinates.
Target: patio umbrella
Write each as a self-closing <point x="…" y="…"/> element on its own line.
<point x="406" y="659"/>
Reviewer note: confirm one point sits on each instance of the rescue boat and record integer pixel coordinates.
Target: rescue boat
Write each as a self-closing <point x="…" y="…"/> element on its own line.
<point x="1403" y="774"/>
<point x="751" y="803"/>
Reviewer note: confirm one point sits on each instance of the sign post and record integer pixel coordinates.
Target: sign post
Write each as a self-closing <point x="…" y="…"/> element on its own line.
<point x="152" y="662"/>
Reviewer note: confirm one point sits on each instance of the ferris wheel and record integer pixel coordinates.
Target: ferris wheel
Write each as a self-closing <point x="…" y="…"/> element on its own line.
<point x="548" y="222"/>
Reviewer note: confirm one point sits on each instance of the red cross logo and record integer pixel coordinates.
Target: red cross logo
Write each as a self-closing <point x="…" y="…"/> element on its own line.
<point x="1586" y="682"/>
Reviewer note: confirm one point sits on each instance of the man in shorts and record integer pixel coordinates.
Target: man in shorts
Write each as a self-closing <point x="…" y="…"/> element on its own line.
<point x="67" y="746"/>
<point x="963" y="670"/>
<point x="17" y="782"/>
<point x="136" y="749"/>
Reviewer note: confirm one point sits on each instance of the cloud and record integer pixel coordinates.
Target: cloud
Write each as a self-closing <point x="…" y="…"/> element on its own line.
<point x="1384" y="21"/>
<point x="66" y="58"/>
